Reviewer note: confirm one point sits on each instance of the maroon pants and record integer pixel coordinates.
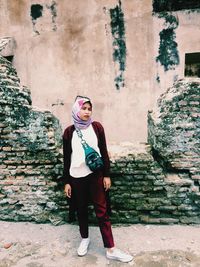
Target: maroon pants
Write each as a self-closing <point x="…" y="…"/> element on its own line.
<point x="91" y="187"/>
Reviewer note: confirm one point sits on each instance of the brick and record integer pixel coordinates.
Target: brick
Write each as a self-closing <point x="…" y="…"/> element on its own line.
<point x="26" y="162"/>
<point x="6" y="182"/>
<point x="169" y="220"/>
<point x="184" y="207"/>
<point x="195" y="177"/>
<point x="154" y="220"/>
<point x="12" y="162"/>
<point x="2" y="125"/>
<point x="167" y="208"/>
<point x="7" y="148"/>
<point x="2" y="166"/>
<point x="20" y="149"/>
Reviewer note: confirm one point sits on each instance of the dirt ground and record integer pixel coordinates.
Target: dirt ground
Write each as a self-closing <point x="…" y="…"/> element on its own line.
<point x="43" y="245"/>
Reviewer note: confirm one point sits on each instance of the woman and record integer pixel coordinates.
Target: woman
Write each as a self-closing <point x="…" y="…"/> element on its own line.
<point x="81" y="182"/>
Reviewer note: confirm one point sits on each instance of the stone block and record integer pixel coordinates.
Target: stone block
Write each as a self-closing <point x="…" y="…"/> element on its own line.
<point x="155" y="213"/>
<point x="158" y="183"/>
<point x="3" y="166"/>
<point x="195" y="177"/>
<point x="144" y="218"/>
<point x="137" y="195"/>
<point x="170" y="133"/>
<point x="184" y="207"/>
<point x="37" y="183"/>
<point x="167" y="208"/>
<point x="2" y="125"/>
<point x="7" y="148"/>
<point x="169" y="220"/>
<point x="158" y="188"/>
<point x="190" y="220"/>
<point x="145" y="207"/>
<point x="7" y="46"/>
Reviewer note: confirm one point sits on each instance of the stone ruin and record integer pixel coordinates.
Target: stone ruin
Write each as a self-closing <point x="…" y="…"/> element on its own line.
<point x="30" y="153"/>
<point x="174" y="128"/>
<point x="152" y="183"/>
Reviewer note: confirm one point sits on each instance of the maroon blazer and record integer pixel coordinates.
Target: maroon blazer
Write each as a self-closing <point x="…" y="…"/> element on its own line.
<point x="67" y="149"/>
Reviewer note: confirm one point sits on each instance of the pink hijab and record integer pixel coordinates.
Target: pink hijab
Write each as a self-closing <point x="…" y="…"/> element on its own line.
<point x="79" y="102"/>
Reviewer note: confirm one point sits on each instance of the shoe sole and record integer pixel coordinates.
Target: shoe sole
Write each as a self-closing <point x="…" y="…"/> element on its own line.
<point x="81" y="255"/>
<point x="118" y="259"/>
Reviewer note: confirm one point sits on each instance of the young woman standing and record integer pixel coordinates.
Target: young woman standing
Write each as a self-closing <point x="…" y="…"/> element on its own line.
<point x="81" y="183"/>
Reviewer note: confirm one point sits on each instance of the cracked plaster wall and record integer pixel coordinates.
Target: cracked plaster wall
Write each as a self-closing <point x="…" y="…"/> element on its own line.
<point x="111" y="51"/>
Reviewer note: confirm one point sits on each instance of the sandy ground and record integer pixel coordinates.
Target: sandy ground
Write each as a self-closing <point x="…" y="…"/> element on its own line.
<point x="43" y="245"/>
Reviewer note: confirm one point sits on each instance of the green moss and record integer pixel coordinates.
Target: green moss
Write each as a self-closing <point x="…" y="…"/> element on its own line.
<point x="158" y="78"/>
<point x="119" y="45"/>
<point x="168" y="52"/>
<point x="119" y="81"/>
<point x="19" y="116"/>
<point x="170" y="20"/>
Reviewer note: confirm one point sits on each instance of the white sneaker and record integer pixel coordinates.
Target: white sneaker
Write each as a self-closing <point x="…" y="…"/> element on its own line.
<point x="118" y="255"/>
<point x="83" y="247"/>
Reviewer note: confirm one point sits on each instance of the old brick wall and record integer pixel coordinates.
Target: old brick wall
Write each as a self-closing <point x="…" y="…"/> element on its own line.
<point x="30" y="155"/>
<point x="144" y="190"/>
<point x="174" y="128"/>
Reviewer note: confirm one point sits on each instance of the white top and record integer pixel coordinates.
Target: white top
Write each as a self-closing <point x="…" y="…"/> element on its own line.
<point x="78" y="168"/>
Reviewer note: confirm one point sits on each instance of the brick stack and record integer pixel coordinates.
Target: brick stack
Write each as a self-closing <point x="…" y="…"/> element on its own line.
<point x="174" y="128"/>
<point x="145" y="193"/>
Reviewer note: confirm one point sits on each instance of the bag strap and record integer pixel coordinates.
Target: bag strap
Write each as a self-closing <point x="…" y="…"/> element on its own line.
<point x="80" y="135"/>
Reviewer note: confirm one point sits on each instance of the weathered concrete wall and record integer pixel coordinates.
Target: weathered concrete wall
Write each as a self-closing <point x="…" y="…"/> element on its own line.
<point x="95" y="48"/>
<point x="175" y="34"/>
<point x="114" y="51"/>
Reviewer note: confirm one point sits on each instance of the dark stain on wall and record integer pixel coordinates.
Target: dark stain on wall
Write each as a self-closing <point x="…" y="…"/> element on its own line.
<point x="119" y="44"/>
<point x="36" y="11"/>
<point x="168" y="52"/>
<point x="53" y="11"/>
<point x="172" y="5"/>
<point x="158" y="78"/>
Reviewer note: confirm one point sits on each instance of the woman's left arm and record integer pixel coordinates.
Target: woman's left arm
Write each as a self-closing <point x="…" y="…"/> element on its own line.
<point x="103" y="150"/>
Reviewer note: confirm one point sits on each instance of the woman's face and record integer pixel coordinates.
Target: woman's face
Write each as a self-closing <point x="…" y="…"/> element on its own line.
<point x="85" y="112"/>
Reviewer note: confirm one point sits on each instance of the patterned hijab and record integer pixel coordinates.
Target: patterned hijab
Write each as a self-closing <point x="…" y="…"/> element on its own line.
<point x="79" y="102"/>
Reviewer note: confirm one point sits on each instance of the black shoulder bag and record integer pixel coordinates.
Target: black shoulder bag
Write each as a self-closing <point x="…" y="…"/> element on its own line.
<point x="92" y="158"/>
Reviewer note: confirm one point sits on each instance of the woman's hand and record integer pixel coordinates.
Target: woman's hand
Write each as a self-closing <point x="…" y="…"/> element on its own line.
<point x="68" y="190"/>
<point x="106" y="183"/>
